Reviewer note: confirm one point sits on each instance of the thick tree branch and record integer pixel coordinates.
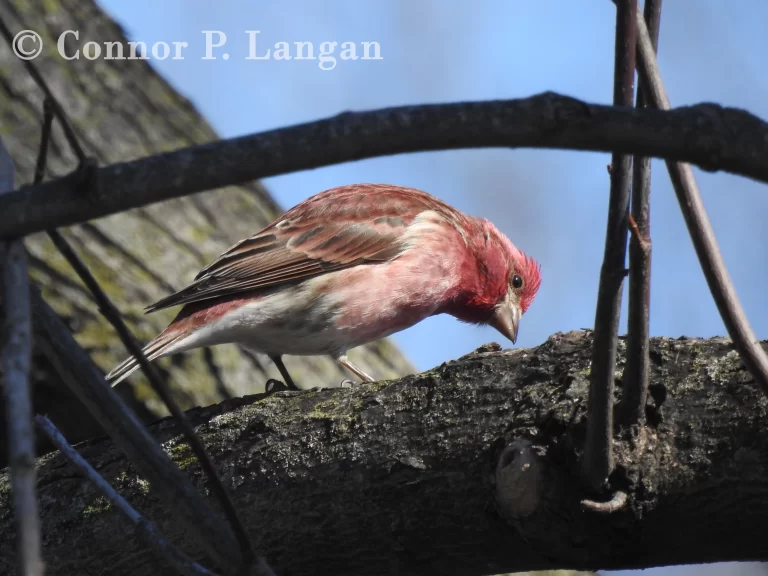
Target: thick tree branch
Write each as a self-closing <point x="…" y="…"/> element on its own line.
<point x="708" y="135"/>
<point x="598" y="455"/>
<point x="700" y="228"/>
<point x="471" y="468"/>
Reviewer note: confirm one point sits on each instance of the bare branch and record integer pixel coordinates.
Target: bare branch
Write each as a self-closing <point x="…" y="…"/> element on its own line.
<point x="45" y="140"/>
<point x="172" y="486"/>
<point x="15" y="361"/>
<point x="597" y="461"/>
<point x="700" y="229"/>
<point x="144" y="528"/>
<point x="632" y="409"/>
<point x="713" y="137"/>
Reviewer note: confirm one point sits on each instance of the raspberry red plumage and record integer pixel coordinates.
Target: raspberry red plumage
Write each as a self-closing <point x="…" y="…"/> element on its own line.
<point x="348" y="266"/>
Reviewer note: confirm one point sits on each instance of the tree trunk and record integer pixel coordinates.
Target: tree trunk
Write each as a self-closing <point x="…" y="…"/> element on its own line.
<point x="470" y="468"/>
<point x="122" y="110"/>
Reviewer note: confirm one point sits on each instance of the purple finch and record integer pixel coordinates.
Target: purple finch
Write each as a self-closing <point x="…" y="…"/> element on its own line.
<point x="344" y="268"/>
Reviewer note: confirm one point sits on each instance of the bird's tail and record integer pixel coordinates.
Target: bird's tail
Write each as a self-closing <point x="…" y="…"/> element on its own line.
<point x="155" y="349"/>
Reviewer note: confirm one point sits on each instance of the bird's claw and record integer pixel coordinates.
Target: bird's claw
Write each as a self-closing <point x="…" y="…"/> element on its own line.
<point x="272" y="386"/>
<point x="349" y="383"/>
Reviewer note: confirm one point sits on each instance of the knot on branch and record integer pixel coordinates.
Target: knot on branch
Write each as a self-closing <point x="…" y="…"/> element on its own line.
<point x="519" y="478"/>
<point x="541" y="500"/>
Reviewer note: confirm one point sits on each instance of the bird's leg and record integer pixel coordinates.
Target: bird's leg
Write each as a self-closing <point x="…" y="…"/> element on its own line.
<point x="278" y="361"/>
<point x="344" y="361"/>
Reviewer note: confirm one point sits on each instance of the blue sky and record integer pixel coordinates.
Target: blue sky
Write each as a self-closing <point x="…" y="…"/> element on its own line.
<point x="552" y="204"/>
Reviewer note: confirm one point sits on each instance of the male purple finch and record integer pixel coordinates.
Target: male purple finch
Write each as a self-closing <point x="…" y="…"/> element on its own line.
<point x="346" y="267"/>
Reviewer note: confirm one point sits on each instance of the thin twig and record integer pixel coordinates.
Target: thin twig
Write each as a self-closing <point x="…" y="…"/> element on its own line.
<point x="637" y="369"/>
<point x="15" y="361"/>
<point x="146" y="529"/>
<point x="700" y="229"/>
<point x="113" y="316"/>
<point x="702" y="134"/>
<point x="597" y="460"/>
<point x="66" y="126"/>
<point x="45" y="139"/>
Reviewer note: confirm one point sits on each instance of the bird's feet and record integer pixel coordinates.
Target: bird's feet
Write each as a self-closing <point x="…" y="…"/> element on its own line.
<point x="278" y="361"/>
<point x="273" y="386"/>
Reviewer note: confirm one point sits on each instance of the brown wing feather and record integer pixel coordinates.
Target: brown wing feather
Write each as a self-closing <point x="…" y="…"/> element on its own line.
<point x="331" y="231"/>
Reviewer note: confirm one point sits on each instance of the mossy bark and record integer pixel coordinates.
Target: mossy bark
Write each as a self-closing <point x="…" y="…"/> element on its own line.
<point x="122" y="110"/>
<point x="415" y="476"/>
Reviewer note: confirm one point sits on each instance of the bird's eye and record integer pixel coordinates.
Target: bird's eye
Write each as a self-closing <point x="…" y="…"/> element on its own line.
<point x="517" y="282"/>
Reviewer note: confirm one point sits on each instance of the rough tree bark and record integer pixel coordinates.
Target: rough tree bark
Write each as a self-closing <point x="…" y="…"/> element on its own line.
<point x="123" y="110"/>
<point x="470" y="468"/>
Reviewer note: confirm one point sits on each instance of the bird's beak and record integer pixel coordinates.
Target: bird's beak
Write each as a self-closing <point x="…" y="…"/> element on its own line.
<point x="505" y="319"/>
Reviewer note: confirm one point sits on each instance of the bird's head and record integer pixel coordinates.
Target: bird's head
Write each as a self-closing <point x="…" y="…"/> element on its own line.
<point x="498" y="281"/>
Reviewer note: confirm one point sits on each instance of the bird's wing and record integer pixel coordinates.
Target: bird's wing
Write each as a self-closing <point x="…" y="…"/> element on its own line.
<point x="337" y="229"/>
